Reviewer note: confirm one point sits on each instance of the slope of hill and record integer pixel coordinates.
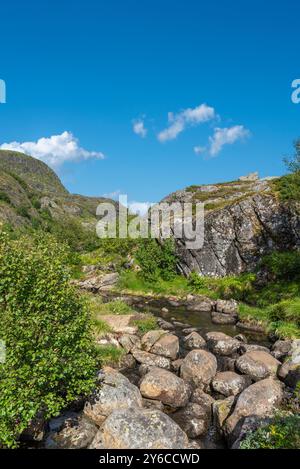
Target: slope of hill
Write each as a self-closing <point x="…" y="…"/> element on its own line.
<point x="32" y="196"/>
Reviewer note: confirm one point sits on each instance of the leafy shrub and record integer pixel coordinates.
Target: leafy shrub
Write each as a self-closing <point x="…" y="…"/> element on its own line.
<point x="146" y="325"/>
<point x="283" y="265"/>
<point x="50" y="359"/>
<point x="282" y="433"/>
<point x="157" y="260"/>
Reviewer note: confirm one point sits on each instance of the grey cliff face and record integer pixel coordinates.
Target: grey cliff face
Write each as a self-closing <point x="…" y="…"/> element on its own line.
<point x="240" y="228"/>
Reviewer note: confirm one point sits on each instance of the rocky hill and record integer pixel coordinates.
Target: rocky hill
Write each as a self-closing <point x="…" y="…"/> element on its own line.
<point x="244" y="220"/>
<point x="31" y="192"/>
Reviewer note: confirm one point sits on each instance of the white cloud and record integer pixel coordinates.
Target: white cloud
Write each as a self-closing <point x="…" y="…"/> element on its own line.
<point x="54" y="150"/>
<point x="113" y="195"/>
<point x="199" y="150"/>
<point x="139" y="128"/>
<point x="178" y="122"/>
<point x="226" y="136"/>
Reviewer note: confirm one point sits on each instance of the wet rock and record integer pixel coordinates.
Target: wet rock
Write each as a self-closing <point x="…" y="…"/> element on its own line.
<point x="227" y="307"/>
<point x="165" y="325"/>
<point x="193" y="419"/>
<point x="222" y="318"/>
<point x="221" y="410"/>
<point x="76" y="432"/>
<point x="258" y="365"/>
<point x="167" y="346"/>
<point x="200" y="304"/>
<point x="194" y="341"/>
<point x="129" y="342"/>
<point x="115" y="392"/>
<point x="258" y="400"/>
<point x="149" y="339"/>
<point x="222" y="344"/>
<point x="281" y="349"/>
<point x="140" y="429"/>
<point x="289" y="372"/>
<point x="198" y="367"/>
<point x="166" y="387"/>
<point x="229" y="383"/>
<point x="151" y="359"/>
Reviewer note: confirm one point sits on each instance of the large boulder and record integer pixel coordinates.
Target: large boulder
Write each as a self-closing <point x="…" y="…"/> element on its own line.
<point x="129" y="342"/>
<point x="258" y="400"/>
<point x="114" y="392"/>
<point x="166" y="387"/>
<point x="74" y="432"/>
<point x="140" y="429"/>
<point x="229" y="383"/>
<point x="199" y="367"/>
<point x="200" y="304"/>
<point x="222" y="344"/>
<point x="289" y="372"/>
<point x="150" y="359"/>
<point x="227" y="307"/>
<point x="257" y="364"/>
<point x="281" y="348"/>
<point x="223" y="318"/>
<point x="194" y="341"/>
<point x="167" y="346"/>
<point x="194" y="419"/>
<point x="149" y="339"/>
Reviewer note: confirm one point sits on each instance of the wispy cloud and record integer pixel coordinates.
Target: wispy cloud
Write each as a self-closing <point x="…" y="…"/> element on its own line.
<point x="199" y="150"/>
<point x="226" y="136"/>
<point x="139" y="128"/>
<point x="187" y="117"/>
<point x="54" y="150"/>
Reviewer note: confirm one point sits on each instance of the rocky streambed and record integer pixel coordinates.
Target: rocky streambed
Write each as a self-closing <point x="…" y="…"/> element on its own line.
<point x="188" y="384"/>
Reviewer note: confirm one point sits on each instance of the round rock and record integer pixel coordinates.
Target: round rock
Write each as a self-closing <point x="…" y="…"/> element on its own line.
<point x="199" y="367"/>
<point x="229" y="383"/>
<point x="164" y="386"/>
<point x="257" y="364"/>
<point x="222" y="344"/>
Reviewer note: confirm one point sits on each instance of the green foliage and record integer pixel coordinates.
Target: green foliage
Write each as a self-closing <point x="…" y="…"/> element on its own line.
<point x="288" y="186"/>
<point x="238" y="288"/>
<point x="50" y="359"/>
<point x="157" y="260"/>
<point x="282" y="433"/>
<point x="109" y="354"/>
<point x="132" y="281"/>
<point x="283" y="265"/>
<point x="146" y="325"/>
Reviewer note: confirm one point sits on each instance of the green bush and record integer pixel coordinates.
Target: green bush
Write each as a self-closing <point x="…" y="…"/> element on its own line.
<point x="283" y="265"/>
<point x="282" y="433"/>
<point x="157" y="260"/>
<point x="50" y="359"/>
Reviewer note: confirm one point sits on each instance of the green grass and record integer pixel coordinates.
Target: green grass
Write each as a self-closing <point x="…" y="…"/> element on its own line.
<point x="97" y="307"/>
<point x="133" y="282"/>
<point x="146" y="325"/>
<point x="283" y="318"/>
<point x="109" y="354"/>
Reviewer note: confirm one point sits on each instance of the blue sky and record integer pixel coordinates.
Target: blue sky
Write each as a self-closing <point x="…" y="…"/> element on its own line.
<point x="94" y="68"/>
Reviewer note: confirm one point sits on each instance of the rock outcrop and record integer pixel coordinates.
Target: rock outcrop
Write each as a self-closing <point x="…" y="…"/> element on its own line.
<point x="244" y="221"/>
